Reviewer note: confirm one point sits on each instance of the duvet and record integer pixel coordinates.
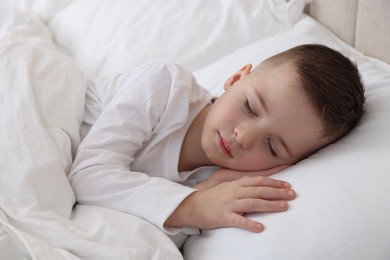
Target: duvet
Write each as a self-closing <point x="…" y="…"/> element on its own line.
<point x="41" y="107"/>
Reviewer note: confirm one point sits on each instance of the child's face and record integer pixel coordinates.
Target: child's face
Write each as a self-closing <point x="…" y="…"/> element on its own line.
<point x="264" y="119"/>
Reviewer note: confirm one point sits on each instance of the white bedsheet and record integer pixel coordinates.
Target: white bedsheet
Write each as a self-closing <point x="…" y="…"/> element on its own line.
<point x="41" y="107"/>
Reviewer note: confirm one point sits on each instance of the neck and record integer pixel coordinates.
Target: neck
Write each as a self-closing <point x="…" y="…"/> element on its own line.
<point x="192" y="155"/>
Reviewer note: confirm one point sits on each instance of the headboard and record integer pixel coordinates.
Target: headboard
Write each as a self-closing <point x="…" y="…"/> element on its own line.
<point x="363" y="24"/>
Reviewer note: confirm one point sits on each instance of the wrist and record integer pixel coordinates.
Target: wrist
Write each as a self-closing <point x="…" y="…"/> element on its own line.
<point x="181" y="216"/>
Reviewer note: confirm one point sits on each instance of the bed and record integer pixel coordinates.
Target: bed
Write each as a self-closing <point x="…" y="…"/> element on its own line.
<point x="48" y="51"/>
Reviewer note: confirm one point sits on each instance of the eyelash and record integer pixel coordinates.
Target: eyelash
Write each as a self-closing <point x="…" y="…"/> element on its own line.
<point x="271" y="149"/>
<point x="248" y="108"/>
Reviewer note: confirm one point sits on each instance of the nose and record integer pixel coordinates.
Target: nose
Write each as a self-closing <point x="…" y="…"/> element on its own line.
<point x="246" y="136"/>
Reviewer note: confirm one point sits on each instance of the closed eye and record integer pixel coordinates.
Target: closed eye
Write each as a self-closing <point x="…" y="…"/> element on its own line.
<point x="248" y="108"/>
<point x="271" y="149"/>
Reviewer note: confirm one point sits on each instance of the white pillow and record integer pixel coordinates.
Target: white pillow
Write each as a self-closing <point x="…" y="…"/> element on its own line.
<point x="109" y="37"/>
<point x="342" y="208"/>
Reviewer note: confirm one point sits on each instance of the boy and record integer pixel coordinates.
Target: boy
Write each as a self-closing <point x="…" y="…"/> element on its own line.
<point x="150" y="129"/>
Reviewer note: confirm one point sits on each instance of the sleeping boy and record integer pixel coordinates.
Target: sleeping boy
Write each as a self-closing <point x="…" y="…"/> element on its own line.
<point x="147" y="131"/>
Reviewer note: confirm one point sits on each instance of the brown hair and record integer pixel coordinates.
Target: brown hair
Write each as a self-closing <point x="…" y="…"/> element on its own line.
<point x="332" y="82"/>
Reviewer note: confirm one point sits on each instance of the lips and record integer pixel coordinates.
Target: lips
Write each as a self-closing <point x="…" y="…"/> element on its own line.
<point x="224" y="146"/>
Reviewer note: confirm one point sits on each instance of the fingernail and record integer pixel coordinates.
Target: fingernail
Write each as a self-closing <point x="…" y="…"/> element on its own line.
<point x="259" y="227"/>
<point x="291" y="193"/>
<point x="283" y="204"/>
<point x="286" y="185"/>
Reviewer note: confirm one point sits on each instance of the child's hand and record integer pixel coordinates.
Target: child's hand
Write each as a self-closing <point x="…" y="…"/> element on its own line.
<point x="226" y="203"/>
<point x="226" y="175"/>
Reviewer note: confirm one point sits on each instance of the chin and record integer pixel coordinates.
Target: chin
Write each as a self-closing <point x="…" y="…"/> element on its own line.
<point x="235" y="167"/>
<point x="241" y="168"/>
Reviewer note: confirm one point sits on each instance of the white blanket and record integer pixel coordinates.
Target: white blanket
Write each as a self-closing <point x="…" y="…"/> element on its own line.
<point x="41" y="107"/>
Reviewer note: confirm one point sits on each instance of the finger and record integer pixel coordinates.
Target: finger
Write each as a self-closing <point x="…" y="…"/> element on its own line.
<point x="236" y="220"/>
<point x="263" y="181"/>
<point x="259" y="205"/>
<point x="267" y="193"/>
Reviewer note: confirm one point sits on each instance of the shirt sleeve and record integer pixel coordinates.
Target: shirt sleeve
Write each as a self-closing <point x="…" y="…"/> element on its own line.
<point x="102" y="175"/>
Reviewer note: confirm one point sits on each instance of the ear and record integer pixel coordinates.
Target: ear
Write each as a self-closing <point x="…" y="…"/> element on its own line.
<point x="237" y="76"/>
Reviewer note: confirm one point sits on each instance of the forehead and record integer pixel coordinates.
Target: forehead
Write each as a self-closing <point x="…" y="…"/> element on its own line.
<point x="269" y="69"/>
<point x="279" y="84"/>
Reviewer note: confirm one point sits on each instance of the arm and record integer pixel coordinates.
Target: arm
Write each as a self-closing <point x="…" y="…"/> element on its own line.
<point x="102" y="173"/>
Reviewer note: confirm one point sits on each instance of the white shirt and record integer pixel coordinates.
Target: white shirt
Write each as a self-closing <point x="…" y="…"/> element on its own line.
<point x="128" y="160"/>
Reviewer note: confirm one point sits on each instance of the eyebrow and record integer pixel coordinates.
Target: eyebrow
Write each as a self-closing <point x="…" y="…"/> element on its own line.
<point x="264" y="105"/>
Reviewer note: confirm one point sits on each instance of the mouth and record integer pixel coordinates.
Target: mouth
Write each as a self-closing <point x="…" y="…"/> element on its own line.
<point x="224" y="146"/>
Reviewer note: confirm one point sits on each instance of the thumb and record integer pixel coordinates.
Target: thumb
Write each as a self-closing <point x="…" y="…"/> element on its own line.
<point x="242" y="222"/>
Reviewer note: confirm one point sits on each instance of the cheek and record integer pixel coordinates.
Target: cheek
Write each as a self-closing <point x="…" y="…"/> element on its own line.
<point x="256" y="162"/>
<point x="222" y="113"/>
